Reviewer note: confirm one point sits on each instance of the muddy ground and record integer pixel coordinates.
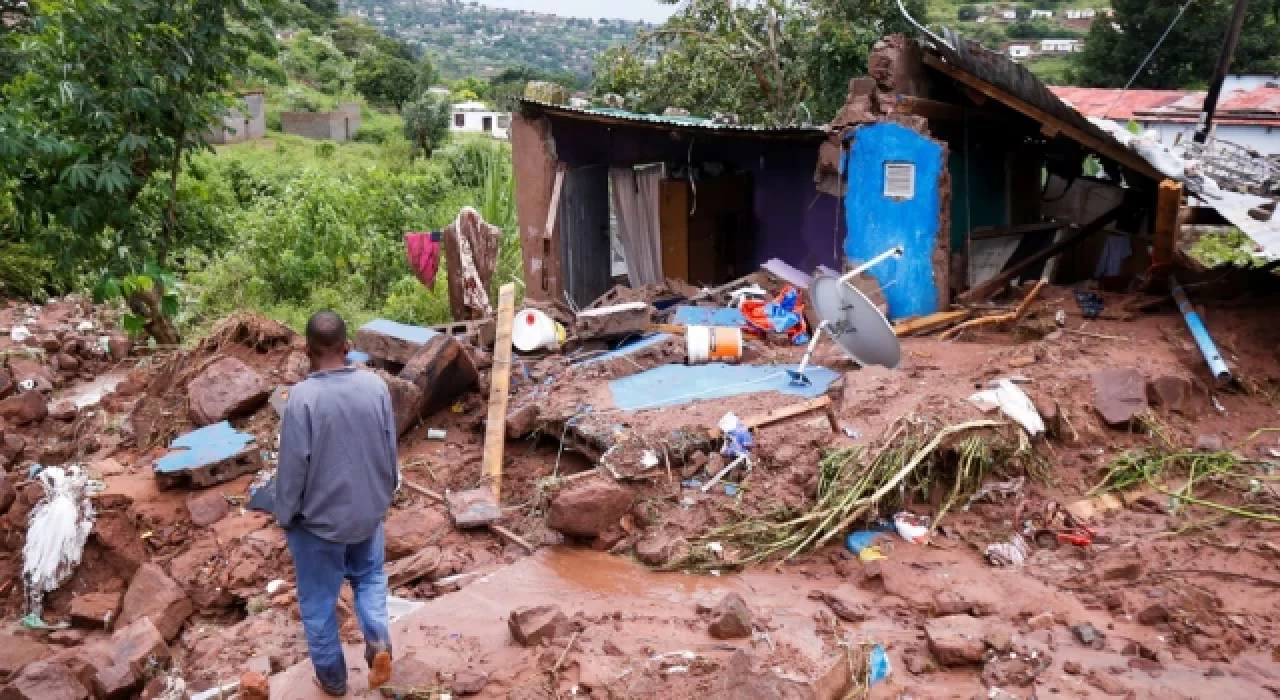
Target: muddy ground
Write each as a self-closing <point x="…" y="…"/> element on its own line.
<point x="1183" y="596"/>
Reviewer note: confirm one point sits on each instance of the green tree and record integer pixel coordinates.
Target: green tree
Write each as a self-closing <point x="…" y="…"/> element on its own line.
<point x="1187" y="57"/>
<point x="112" y="93"/>
<point x="426" y="123"/>
<point x="773" y="62"/>
<point x="427" y="76"/>
<point x="967" y="13"/>
<point x="385" y="80"/>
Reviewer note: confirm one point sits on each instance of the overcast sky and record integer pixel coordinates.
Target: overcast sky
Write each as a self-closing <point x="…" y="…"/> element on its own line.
<point x="648" y="10"/>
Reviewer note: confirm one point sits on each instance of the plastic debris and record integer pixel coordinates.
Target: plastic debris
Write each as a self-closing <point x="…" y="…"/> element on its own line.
<point x="859" y="540"/>
<point x="997" y="491"/>
<point x="1012" y="402"/>
<point x="59" y="526"/>
<point x="436" y="434"/>
<point x="1011" y="553"/>
<point x="274" y="586"/>
<point x="738" y="439"/>
<point x="880" y="668"/>
<point x="1090" y="303"/>
<point x="19" y="334"/>
<point x="648" y="460"/>
<point x="785" y="314"/>
<point x="911" y="527"/>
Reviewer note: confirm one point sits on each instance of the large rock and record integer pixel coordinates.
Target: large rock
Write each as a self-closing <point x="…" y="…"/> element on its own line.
<point x="441" y="369"/>
<point x="44" y="680"/>
<point x="17" y="651"/>
<point x="8" y="494"/>
<point x="26" y="407"/>
<point x="659" y="549"/>
<point x="155" y="596"/>
<point x="139" y="646"/>
<point x="531" y="626"/>
<point x="1173" y="394"/>
<point x="731" y="618"/>
<point x="225" y="389"/>
<point x="118" y="682"/>
<point x="406" y="531"/>
<point x="589" y="508"/>
<point x="12" y="447"/>
<point x="406" y="401"/>
<point x="95" y="611"/>
<point x="956" y="640"/>
<point x="1119" y="395"/>
<point x="207" y="507"/>
<point x="24" y="369"/>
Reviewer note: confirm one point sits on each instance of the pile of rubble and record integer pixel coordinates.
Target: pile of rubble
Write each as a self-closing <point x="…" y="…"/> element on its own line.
<point x="990" y="552"/>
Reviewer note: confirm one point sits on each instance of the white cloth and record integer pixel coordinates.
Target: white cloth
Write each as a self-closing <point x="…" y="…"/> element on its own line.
<point x="635" y="201"/>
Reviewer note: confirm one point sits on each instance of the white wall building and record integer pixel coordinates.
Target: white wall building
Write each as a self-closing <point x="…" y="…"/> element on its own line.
<point x="479" y="118"/>
<point x="1019" y="52"/>
<point x="1081" y="14"/>
<point x="1060" y="45"/>
<point x="1009" y="15"/>
<point x="1041" y="14"/>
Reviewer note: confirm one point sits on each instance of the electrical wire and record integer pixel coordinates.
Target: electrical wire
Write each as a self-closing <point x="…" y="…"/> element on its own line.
<point x="1146" y="60"/>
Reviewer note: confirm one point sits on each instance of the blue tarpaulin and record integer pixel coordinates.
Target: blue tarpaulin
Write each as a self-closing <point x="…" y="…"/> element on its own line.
<point x="201" y="448"/>
<point x="628" y="348"/>
<point x="708" y="316"/>
<point x="676" y="384"/>
<point x="403" y="331"/>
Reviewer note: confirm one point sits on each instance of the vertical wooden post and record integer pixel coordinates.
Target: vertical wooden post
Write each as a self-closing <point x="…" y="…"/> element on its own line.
<point x="1165" y="229"/>
<point x="495" y="432"/>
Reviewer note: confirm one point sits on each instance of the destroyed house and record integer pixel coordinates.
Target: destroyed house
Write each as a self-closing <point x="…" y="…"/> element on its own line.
<point x="1029" y="188"/>
<point x="603" y="193"/>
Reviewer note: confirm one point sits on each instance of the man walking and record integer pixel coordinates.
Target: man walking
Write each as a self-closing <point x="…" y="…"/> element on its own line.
<point x="334" y="484"/>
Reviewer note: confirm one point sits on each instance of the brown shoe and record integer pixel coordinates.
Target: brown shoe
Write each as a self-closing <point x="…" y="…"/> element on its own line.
<point x="380" y="669"/>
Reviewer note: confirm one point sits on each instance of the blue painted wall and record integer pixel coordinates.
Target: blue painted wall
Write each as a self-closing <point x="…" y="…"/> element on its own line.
<point x="876" y="223"/>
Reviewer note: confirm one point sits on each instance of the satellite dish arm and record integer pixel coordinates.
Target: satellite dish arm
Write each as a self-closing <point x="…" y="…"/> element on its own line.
<point x="891" y="253"/>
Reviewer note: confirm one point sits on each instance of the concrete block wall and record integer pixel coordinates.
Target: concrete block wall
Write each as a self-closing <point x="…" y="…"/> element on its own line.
<point x="341" y="124"/>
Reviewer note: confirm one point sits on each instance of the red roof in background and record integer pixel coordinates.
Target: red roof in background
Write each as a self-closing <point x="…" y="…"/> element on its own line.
<point x="1259" y="106"/>
<point x="1110" y="104"/>
<point x="1260" y="99"/>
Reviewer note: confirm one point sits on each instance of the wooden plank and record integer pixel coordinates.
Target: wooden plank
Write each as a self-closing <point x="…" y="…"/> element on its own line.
<point x="989" y="288"/>
<point x="493" y="527"/>
<point x="495" y="434"/>
<point x="673" y="228"/>
<point x="672" y="328"/>
<point x="554" y="208"/>
<point x="778" y="414"/>
<point x="1119" y="154"/>
<point x="927" y="324"/>
<point x="1020" y="230"/>
<point x="1165" y="230"/>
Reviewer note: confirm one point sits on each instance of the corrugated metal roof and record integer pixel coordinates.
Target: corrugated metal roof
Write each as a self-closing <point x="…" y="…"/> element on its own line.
<point x="1108" y="103"/>
<point x="1013" y="79"/>
<point x="610" y="115"/>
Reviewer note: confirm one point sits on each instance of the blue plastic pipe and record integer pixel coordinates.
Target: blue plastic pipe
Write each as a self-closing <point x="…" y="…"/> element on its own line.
<point x="1200" y="333"/>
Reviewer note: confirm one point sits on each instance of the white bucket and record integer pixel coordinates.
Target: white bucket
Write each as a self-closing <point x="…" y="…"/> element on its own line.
<point x="713" y="344"/>
<point x="533" y="330"/>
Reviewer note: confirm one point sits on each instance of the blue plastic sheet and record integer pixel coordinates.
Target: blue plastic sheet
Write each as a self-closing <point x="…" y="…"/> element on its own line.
<point x="708" y="316"/>
<point x="671" y="385"/>
<point x="880" y="668"/>
<point x="859" y="540"/>
<point x="198" y="448"/>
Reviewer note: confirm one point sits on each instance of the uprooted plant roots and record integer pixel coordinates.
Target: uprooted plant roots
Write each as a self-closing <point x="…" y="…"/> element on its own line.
<point x="918" y="457"/>
<point x="1178" y="474"/>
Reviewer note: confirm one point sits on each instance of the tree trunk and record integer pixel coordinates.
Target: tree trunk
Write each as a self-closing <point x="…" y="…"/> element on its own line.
<point x="147" y="305"/>
<point x="172" y="224"/>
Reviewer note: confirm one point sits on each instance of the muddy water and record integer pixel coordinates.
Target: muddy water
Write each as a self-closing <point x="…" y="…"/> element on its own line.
<point x="91" y="393"/>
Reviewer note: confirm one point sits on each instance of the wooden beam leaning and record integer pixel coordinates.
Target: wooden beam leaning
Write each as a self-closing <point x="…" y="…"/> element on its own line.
<point x="989" y="288"/>
<point x="495" y="432"/>
<point x="1115" y="152"/>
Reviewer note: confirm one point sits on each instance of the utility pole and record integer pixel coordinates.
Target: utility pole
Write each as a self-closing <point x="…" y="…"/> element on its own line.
<point x="1220" y="70"/>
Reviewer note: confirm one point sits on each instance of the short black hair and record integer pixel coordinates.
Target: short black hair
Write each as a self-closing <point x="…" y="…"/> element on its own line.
<point x="326" y="331"/>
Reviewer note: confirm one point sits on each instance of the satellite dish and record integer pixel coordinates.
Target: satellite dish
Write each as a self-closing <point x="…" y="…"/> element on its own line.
<point x="854" y="322"/>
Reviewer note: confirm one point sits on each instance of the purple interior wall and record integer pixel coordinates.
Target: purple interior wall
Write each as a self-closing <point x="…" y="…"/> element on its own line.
<point x="793" y="221"/>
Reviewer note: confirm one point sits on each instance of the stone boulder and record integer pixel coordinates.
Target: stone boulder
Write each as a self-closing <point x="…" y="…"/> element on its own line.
<point x="24" y="370"/>
<point x="406" y="400"/>
<point x="207" y="507"/>
<point x="95" y="611"/>
<point x="959" y="640"/>
<point x="1119" y="395"/>
<point x="731" y="618"/>
<point x="659" y="549"/>
<point x="155" y="596"/>
<point x="44" y="680"/>
<point x="589" y="508"/>
<point x="407" y="532"/>
<point x="18" y="651"/>
<point x="532" y="626"/>
<point x="26" y="407"/>
<point x="227" y="388"/>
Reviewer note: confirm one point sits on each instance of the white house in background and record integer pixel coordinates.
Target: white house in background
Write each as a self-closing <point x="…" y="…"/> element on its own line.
<point x="1041" y="14"/>
<point x="1059" y="45"/>
<point x="1009" y="15"/>
<point x="1082" y="14"/>
<point x="479" y="118"/>
<point x="1019" y="52"/>
<point x="579" y="102"/>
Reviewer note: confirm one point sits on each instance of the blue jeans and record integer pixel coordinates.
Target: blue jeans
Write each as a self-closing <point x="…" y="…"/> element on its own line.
<point x="320" y="567"/>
